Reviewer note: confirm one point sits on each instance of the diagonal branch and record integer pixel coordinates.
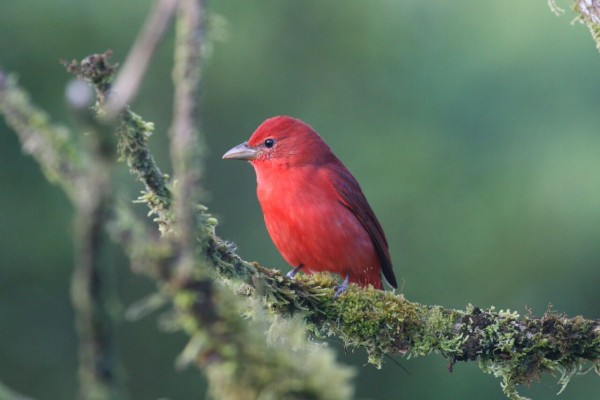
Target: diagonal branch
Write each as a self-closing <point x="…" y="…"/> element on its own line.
<point x="48" y="143"/>
<point x="127" y="83"/>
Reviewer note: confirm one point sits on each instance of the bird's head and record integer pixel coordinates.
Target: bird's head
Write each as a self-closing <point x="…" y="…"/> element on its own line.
<point x="282" y="141"/>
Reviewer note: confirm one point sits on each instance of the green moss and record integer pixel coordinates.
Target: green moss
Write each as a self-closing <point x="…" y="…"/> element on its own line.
<point x="436" y="332"/>
<point x="132" y="134"/>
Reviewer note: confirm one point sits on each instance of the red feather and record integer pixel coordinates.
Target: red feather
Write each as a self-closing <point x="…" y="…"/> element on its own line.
<point x="314" y="209"/>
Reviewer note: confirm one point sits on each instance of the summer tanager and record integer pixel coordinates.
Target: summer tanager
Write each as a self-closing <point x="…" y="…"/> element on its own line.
<point x="314" y="209"/>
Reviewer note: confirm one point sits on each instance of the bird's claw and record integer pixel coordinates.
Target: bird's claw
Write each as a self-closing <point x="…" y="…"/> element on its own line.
<point x="294" y="272"/>
<point x="341" y="288"/>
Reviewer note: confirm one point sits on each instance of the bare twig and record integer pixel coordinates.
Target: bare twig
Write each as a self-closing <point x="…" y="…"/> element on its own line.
<point x="129" y="79"/>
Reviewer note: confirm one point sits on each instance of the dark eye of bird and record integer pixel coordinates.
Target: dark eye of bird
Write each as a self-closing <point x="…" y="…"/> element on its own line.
<point x="269" y="143"/>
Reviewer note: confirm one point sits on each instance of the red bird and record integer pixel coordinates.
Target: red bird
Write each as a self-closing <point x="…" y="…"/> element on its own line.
<point x="314" y="209"/>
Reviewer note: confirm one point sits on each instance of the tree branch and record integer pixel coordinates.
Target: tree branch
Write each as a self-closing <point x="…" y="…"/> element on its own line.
<point x="48" y="143"/>
<point x="127" y="83"/>
<point x="185" y="146"/>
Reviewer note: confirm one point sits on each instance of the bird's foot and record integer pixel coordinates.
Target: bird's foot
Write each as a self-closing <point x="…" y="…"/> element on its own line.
<point x="341" y="288"/>
<point x="294" y="272"/>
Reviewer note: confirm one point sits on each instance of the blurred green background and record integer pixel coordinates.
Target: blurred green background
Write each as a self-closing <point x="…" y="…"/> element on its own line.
<point x="471" y="126"/>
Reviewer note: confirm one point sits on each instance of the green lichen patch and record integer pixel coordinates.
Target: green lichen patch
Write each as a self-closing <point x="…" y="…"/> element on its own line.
<point x="437" y="333"/>
<point x="381" y="322"/>
<point x="519" y="350"/>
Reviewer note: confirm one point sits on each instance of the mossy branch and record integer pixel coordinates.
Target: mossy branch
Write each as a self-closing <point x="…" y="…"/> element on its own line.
<point x="50" y="144"/>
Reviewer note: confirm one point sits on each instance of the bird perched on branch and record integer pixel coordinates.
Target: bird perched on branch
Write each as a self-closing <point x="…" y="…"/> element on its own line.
<point x="314" y="209"/>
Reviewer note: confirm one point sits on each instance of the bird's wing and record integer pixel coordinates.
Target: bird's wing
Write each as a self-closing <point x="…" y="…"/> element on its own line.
<point x="352" y="197"/>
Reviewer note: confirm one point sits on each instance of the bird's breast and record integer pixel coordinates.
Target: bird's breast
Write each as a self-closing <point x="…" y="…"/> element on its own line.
<point x="308" y="223"/>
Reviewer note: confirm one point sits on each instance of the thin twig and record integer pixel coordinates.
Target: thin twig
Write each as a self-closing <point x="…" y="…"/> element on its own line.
<point x="129" y="79"/>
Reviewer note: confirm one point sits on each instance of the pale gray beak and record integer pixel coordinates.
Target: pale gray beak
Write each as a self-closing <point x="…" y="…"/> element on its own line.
<point x="240" y="152"/>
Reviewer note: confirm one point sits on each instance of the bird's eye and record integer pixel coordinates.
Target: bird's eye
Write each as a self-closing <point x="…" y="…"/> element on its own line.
<point x="269" y="143"/>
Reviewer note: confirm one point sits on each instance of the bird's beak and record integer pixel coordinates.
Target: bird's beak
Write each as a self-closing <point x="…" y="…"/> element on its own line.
<point x="240" y="152"/>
